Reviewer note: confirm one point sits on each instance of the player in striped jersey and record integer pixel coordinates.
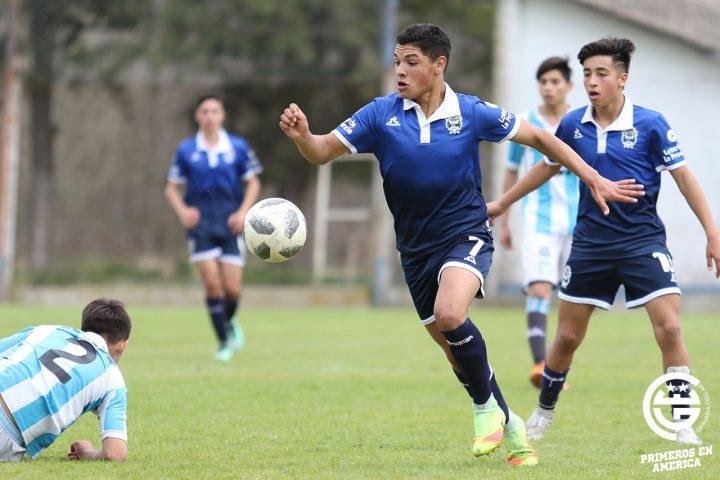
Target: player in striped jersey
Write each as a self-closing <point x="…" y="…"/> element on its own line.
<point x="548" y="214"/>
<point x="52" y="374"/>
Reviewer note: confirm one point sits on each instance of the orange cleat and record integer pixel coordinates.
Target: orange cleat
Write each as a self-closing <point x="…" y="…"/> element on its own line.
<point x="536" y="376"/>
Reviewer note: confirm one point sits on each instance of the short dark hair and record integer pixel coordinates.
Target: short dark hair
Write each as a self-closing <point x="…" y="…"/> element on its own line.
<point x="555" y="63"/>
<point x="620" y="49"/>
<point x="208" y="96"/>
<point x="107" y="318"/>
<point x="430" y="39"/>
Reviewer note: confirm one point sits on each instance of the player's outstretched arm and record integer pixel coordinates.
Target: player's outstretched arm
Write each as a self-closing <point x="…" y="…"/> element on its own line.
<point x="602" y="189"/>
<point x="540" y="173"/>
<point x="113" y="449"/>
<point x="691" y="190"/>
<point x="317" y="149"/>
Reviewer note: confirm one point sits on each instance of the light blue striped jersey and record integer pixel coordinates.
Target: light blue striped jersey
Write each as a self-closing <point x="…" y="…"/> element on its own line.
<point x="50" y="375"/>
<point x="552" y="208"/>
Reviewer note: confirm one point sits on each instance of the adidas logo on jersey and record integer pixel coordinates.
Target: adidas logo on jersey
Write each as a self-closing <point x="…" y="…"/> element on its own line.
<point x="393" y="122"/>
<point x="578" y="134"/>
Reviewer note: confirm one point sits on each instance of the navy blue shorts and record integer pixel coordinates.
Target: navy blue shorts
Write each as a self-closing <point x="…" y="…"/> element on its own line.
<point x="205" y="245"/>
<point x="595" y="282"/>
<point x="422" y="275"/>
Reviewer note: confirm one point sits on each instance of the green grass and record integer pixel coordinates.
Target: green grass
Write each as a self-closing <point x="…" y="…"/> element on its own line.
<point x="363" y="394"/>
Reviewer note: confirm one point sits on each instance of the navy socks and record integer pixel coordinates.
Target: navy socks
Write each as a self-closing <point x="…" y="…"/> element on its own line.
<point x="468" y="348"/>
<point x="216" y="309"/>
<point x="552" y="385"/>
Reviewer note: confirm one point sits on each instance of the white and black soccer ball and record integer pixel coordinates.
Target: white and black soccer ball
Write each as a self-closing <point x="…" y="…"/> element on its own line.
<point x="275" y="230"/>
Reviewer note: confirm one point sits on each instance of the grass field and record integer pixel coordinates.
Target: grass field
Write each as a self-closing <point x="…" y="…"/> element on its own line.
<point x="364" y="394"/>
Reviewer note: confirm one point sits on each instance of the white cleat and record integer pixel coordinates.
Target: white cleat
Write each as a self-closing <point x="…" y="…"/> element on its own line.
<point x="688" y="436"/>
<point x="539" y="423"/>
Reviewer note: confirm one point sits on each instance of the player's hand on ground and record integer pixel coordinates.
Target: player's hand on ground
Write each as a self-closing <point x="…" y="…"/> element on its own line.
<point x="294" y="122"/>
<point x="189" y="217"/>
<point x="236" y="222"/>
<point x="623" y="191"/>
<point x="506" y="236"/>
<point x="712" y="253"/>
<point x="81" y="449"/>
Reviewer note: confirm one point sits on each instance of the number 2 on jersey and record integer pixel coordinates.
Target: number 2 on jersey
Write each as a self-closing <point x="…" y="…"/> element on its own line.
<point x="48" y="358"/>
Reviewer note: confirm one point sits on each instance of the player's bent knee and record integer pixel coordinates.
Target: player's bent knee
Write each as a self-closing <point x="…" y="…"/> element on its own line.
<point x="668" y="332"/>
<point x="232" y="293"/>
<point x="448" y="318"/>
<point x="213" y="290"/>
<point x="568" y="341"/>
<point x="540" y="289"/>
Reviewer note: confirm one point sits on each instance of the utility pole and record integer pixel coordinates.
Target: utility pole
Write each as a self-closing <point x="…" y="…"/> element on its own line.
<point x="382" y="221"/>
<point x="9" y="149"/>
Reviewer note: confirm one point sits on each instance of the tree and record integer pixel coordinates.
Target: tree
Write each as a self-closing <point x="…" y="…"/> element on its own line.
<point x="260" y="53"/>
<point x="55" y="26"/>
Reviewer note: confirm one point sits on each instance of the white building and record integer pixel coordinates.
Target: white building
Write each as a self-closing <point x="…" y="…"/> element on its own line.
<point x="675" y="70"/>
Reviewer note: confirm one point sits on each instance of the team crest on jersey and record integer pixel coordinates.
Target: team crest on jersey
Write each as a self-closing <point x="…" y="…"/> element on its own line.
<point x="629" y="137"/>
<point x="454" y="124"/>
<point x="577" y="133"/>
<point x="196" y="156"/>
<point x="567" y="273"/>
<point x="393" y="122"/>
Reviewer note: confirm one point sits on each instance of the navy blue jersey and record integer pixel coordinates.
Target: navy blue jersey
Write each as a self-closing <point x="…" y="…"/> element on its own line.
<point x="214" y="177"/>
<point x="639" y="144"/>
<point x="430" y="166"/>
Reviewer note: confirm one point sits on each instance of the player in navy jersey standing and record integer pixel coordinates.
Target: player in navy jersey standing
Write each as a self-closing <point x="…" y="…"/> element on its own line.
<point x="426" y="141"/>
<point x="51" y="374"/>
<point x="628" y="246"/>
<point x="220" y="172"/>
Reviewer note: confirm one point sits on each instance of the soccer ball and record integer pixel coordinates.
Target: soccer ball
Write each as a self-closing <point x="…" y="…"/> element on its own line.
<point x="275" y="230"/>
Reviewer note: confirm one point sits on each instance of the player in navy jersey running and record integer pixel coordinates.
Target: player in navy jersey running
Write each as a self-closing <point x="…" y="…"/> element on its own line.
<point x="220" y="172"/>
<point x="426" y="141"/>
<point x="627" y="247"/>
<point x="52" y="374"/>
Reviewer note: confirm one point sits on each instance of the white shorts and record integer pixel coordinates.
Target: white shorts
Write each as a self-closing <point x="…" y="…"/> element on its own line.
<point x="543" y="257"/>
<point x="231" y="250"/>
